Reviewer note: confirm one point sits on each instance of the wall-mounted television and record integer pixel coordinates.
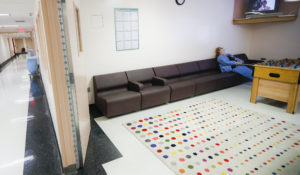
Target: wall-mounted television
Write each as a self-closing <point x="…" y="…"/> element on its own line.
<point x="264" y="6"/>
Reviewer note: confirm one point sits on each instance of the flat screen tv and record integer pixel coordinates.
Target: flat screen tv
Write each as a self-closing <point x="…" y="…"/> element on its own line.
<point x="264" y="6"/>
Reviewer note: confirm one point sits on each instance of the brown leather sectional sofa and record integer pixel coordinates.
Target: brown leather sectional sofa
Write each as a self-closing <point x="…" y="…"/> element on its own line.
<point x="125" y="92"/>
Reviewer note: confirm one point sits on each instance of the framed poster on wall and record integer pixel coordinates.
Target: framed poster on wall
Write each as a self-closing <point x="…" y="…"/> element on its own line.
<point x="126" y="29"/>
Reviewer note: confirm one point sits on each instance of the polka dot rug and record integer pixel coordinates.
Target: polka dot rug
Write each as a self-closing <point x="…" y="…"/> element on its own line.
<point x="216" y="137"/>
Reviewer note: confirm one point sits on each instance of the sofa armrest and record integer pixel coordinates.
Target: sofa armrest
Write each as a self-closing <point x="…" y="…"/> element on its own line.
<point x="159" y="81"/>
<point x="135" y="86"/>
<point x="101" y="103"/>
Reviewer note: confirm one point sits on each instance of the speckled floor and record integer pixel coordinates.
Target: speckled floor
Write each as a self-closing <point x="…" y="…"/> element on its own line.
<point x="100" y="149"/>
<point x="28" y="145"/>
<point x="41" y="141"/>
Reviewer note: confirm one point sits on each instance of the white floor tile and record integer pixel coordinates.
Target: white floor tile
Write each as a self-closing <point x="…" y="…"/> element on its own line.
<point x="137" y="159"/>
<point x="14" y="100"/>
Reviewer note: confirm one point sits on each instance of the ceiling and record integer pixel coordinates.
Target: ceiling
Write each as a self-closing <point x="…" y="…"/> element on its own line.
<point x="20" y="14"/>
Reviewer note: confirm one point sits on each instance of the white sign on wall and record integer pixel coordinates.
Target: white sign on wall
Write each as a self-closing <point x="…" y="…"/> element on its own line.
<point x="96" y="21"/>
<point x="127" y="29"/>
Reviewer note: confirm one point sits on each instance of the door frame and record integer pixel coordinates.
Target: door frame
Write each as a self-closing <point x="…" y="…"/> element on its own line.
<point x="53" y="51"/>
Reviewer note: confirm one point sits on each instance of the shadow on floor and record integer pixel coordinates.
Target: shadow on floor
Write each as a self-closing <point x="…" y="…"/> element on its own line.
<point x="271" y="102"/>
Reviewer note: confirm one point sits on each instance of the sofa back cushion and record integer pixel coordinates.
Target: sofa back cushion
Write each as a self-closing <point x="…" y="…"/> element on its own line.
<point x="110" y="81"/>
<point x="242" y="56"/>
<point x="188" y="68"/>
<point x="208" y="65"/>
<point x="140" y="75"/>
<point x="170" y="71"/>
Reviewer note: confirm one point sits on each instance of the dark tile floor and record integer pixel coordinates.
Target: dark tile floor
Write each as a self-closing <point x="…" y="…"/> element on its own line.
<point x="100" y="149"/>
<point x="41" y="142"/>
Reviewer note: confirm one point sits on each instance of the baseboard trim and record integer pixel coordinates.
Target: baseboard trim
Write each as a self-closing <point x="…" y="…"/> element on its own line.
<point x="2" y="65"/>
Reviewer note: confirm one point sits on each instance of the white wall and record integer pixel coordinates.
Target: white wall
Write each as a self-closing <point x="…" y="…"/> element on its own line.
<point x="168" y="34"/>
<point x="276" y="40"/>
<point x="4" y="49"/>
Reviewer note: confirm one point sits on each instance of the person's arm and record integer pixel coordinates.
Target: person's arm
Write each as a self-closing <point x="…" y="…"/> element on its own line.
<point x="236" y="58"/>
<point x="224" y="60"/>
<point x="240" y="60"/>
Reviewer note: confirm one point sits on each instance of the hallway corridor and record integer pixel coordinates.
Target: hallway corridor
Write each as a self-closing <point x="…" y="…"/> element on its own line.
<point x="27" y="133"/>
<point x="14" y="100"/>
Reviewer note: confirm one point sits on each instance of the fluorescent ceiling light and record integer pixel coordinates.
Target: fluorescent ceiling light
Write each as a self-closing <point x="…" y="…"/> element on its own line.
<point x="4" y="14"/>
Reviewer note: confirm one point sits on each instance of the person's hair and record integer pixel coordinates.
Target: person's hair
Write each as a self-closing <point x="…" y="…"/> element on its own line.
<point x="218" y="50"/>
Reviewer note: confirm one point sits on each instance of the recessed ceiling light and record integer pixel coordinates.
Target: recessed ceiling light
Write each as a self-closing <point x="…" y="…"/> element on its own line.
<point x="4" y="14"/>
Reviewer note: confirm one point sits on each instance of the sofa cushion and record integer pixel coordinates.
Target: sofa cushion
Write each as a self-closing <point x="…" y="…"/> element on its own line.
<point x="159" y="81"/>
<point x="155" y="95"/>
<point x="182" y="89"/>
<point x="110" y="81"/>
<point x="147" y="84"/>
<point x="118" y="103"/>
<point x="188" y="68"/>
<point x="203" y="79"/>
<point x="213" y="81"/>
<point x="229" y="79"/>
<point x="141" y="75"/>
<point x="210" y="72"/>
<point x="173" y="80"/>
<point x="223" y="80"/>
<point x="166" y="71"/>
<point x="199" y="75"/>
<point x="206" y="84"/>
<point x="112" y="91"/>
<point x="190" y="77"/>
<point x="114" y="97"/>
<point x="208" y="65"/>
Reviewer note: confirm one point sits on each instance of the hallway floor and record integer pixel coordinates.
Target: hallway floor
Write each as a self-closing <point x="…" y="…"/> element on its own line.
<point x="14" y="102"/>
<point x="29" y="144"/>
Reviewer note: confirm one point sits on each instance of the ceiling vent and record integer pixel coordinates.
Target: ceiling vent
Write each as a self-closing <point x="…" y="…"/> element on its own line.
<point x="20" y="21"/>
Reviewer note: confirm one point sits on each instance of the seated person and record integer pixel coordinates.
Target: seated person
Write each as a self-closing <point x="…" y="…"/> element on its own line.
<point x="255" y="4"/>
<point x="230" y="63"/>
<point x="264" y="6"/>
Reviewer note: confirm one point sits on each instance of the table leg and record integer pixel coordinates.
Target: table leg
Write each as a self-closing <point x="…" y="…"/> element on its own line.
<point x="293" y="99"/>
<point x="254" y="90"/>
<point x="297" y="99"/>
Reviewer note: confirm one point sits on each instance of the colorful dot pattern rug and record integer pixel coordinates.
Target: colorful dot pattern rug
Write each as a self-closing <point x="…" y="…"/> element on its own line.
<point x="215" y="137"/>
